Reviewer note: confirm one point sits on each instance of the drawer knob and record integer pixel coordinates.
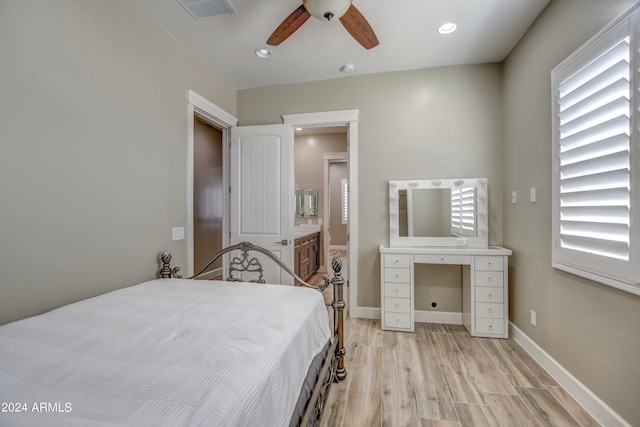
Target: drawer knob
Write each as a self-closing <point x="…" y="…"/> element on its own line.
<point x="396" y="305"/>
<point x="397" y="320"/>
<point x="490" y="296"/>
<point x="490" y="326"/>
<point x="396" y="275"/>
<point x="489" y="263"/>
<point x="490" y="310"/>
<point x="396" y="290"/>
<point x="489" y="279"/>
<point x="442" y="259"/>
<point x="396" y="260"/>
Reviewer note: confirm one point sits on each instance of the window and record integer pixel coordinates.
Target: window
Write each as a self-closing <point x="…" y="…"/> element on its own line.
<point x="595" y="205"/>
<point x="344" y="193"/>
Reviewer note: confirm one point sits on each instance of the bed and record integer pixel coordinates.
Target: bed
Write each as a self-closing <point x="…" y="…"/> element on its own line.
<point x="176" y="351"/>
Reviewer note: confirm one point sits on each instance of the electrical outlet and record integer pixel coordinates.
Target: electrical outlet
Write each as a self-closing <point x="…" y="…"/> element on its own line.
<point x="533" y="318"/>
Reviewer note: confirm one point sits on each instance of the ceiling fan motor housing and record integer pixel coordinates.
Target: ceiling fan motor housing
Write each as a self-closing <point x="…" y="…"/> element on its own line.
<point x="327" y="9"/>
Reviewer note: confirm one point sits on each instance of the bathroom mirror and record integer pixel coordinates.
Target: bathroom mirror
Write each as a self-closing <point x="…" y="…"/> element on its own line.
<point x="438" y="212"/>
<point x="306" y="203"/>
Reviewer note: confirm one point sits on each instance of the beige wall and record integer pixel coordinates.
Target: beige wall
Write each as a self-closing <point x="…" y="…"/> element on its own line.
<point x="591" y="329"/>
<point x="92" y="148"/>
<point x="441" y="122"/>
<point x="309" y="162"/>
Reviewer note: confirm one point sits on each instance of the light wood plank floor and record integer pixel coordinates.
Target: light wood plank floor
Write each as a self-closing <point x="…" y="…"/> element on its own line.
<point x="440" y="376"/>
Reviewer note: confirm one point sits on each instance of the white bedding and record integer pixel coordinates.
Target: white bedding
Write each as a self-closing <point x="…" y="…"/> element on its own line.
<point x="165" y="352"/>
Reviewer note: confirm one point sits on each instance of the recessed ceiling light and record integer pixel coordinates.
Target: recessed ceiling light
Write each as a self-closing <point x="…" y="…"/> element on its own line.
<point x="447" y="28"/>
<point x="263" y="53"/>
<point x="347" y="68"/>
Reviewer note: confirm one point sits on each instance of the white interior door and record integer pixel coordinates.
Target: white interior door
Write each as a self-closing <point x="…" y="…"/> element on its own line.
<point x="262" y="194"/>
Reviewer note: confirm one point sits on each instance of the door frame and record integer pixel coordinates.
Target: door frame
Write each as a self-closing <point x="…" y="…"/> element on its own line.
<point x="205" y="110"/>
<point x="349" y="118"/>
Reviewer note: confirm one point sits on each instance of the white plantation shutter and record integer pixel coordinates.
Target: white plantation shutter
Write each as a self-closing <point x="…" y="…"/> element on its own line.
<point x="345" y="201"/>
<point x="593" y="140"/>
<point x="463" y="209"/>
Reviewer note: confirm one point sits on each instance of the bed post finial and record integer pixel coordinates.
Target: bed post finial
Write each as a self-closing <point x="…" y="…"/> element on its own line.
<point x="166" y="272"/>
<point x="338" y="315"/>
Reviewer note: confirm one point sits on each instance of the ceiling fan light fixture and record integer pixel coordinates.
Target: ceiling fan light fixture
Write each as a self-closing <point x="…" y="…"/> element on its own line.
<point x="327" y="9"/>
<point x="447" y="28"/>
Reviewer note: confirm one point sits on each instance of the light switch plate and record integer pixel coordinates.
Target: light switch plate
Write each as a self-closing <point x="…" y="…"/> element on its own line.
<point x="532" y="195"/>
<point x="514" y="197"/>
<point x="177" y="233"/>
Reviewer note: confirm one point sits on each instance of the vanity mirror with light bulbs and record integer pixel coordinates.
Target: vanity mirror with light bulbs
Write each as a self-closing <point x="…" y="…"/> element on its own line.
<point x="443" y="221"/>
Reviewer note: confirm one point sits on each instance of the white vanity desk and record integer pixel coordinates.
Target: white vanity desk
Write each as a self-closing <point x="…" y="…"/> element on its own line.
<point x="485" y="290"/>
<point x="444" y="221"/>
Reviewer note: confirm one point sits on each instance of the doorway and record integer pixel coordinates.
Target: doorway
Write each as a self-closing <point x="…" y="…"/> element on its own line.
<point x="208" y="196"/>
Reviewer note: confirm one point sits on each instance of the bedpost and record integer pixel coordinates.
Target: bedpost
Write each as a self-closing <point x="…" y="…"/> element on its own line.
<point x="338" y="315"/>
<point x="166" y="272"/>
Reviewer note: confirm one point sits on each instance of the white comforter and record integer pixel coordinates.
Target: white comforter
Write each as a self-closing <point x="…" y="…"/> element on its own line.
<point x="165" y="352"/>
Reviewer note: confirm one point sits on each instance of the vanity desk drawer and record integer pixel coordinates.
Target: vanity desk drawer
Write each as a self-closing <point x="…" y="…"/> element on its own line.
<point x="489" y="263"/>
<point x="397" y="275"/>
<point x="398" y="261"/>
<point x="397" y="305"/>
<point x="488" y="294"/>
<point x="443" y="259"/>
<point x="490" y="326"/>
<point x="490" y="309"/>
<point x="397" y="290"/>
<point x="489" y="278"/>
<point x="397" y="321"/>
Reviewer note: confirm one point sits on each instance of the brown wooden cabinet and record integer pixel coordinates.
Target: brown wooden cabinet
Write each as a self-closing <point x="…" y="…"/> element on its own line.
<point x="307" y="255"/>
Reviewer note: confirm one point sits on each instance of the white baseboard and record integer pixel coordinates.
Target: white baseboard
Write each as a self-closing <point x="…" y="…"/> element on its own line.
<point x="450" y="318"/>
<point x="338" y="247"/>
<point x="585" y="397"/>
<point x="365" y="312"/>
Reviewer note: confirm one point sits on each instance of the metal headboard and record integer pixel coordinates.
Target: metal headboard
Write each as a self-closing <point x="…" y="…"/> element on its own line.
<point x="240" y="264"/>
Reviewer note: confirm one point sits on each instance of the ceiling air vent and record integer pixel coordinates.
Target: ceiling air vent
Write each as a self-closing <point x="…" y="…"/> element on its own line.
<point x="203" y="8"/>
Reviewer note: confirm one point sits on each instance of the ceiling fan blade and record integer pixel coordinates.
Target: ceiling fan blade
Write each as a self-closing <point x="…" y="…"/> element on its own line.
<point x="359" y="28"/>
<point x="289" y="26"/>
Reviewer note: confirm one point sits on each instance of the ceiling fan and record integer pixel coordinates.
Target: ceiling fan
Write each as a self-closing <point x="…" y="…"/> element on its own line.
<point x="349" y="16"/>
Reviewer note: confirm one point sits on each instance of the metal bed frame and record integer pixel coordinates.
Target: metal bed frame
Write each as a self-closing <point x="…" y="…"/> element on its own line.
<point x="333" y="369"/>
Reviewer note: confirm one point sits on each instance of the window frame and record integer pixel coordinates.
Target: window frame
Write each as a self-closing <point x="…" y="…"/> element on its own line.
<point x="618" y="273"/>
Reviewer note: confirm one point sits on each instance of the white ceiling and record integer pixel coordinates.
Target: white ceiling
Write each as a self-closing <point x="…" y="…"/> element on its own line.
<point x="406" y="29"/>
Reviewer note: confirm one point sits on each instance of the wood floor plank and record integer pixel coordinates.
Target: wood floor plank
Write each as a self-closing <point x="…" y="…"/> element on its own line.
<point x="510" y="410"/>
<point x="365" y="393"/>
<point x="436" y="328"/>
<point x="472" y="415"/>
<point x="336" y="403"/>
<point x="517" y="372"/>
<point x="576" y="411"/>
<point x="489" y="376"/>
<point x="440" y="423"/>
<point x="545" y="409"/>
<point x="539" y="372"/>
<point x="460" y="379"/>
<point x="433" y="399"/>
<point x="398" y="394"/>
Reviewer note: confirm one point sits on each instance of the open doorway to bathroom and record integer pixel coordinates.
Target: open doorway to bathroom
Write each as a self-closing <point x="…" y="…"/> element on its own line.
<point x="321" y="169"/>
